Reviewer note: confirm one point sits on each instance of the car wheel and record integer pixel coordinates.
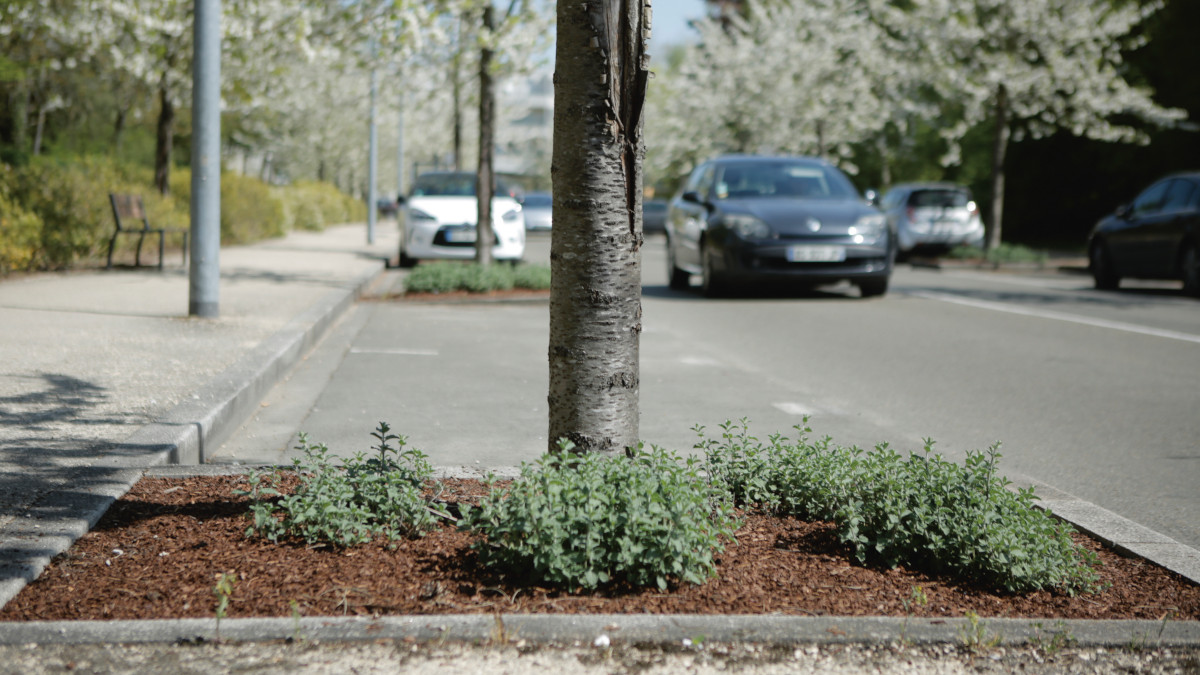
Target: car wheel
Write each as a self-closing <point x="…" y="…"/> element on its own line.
<point x="1191" y="271"/>
<point x="679" y="279"/>
<point x="1103" y="272"/>
<point x="873" y="288"/>
<point x="712" y="282"/>
<point x="405" y="261"/>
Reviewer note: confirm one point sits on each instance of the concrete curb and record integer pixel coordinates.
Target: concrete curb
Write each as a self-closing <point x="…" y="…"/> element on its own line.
<point x="181" y="436"/>
<point x="582" y="629"/>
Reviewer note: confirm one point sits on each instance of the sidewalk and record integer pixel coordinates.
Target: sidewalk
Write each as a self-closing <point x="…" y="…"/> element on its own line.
<point x="103" y="374"/>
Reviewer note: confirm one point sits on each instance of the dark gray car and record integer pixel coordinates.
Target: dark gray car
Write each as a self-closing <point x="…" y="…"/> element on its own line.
<point x="799" y="219"/>
<point x="1156" y="236"/>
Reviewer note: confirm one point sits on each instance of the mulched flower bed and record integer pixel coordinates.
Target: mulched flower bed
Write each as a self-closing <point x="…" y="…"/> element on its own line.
<point x="159" y="551"/>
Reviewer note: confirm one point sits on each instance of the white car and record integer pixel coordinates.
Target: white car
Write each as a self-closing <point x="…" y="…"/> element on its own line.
<point x="437" y="220"/>
<point x="932" y="217"/>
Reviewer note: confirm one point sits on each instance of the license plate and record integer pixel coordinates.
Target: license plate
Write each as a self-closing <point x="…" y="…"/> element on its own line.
<point x="460" y="236"/>
<point x="816" y="253"/>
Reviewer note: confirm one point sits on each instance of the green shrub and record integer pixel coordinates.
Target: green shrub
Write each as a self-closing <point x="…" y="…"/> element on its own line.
<point x="445" y="277"/>
<point x="922" y="511"/>
<point x="587" y="520"/>
<point x="347" y="504"/>
<point x="249" y="212"/>
<point x="311" y="205"/>
<point x="20" y="231"/>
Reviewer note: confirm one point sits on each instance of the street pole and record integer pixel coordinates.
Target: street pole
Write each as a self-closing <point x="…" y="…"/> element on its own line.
<point x="372" y="165"/>
<point x="400" y="146"/>
<point x="204" y="273"/>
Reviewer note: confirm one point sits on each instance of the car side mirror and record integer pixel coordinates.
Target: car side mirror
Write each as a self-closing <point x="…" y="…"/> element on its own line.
<point x="694" y="198"/>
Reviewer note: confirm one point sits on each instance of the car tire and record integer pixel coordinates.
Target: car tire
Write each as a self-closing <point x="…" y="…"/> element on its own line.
<point x="873" y="288"/>
<point x="1103" y="272"/>
<point x="713" y="282"/>
<point x="407" y="262"/>
<point x="679" y="280"/>
<point x="1191" y="271"/>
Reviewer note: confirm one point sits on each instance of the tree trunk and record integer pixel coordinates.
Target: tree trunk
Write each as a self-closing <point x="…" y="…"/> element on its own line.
<point x="484" y="185"/>
<point x="595" y="249"/>
<point x="164" y="139"/>
<point x="20" y="115"/>
<point x="456" y="92"/>
<point x="999" y="150"/>
<point x="119" y="128"/>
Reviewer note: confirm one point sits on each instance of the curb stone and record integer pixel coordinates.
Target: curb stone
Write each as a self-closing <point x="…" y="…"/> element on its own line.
<point x="585" y="629"/>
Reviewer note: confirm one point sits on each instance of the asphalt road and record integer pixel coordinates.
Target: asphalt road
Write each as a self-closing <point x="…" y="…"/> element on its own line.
<point x="1092" y="393"/>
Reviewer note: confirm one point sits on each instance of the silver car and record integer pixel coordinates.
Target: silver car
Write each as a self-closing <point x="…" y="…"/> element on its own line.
<point x="932" y="218"/>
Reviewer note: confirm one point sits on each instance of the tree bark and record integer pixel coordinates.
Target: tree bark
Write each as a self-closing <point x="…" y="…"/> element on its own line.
<point x="595" y="251"/>
<point x="484" y="185"/>
<point x="164" y="139"/>
<point x="456" y="92"/>
<point x="999" y="151"/>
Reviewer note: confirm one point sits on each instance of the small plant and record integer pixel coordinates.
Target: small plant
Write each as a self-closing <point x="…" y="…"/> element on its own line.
<point x="974" y="634"/>
<point x="582" y="521"/>
<point x="921" y="511"/>
<point x="1060" y="638"/>
<point x="446" y="277"/>
<point x="223" y="590"/>
<point x="1004" y="253"/>
<point x="350" y="502"/>
<point x="916" y="598"/>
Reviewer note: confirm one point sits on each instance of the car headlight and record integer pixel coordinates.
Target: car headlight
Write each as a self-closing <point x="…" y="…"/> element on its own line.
<point x="747" y="226"/>
<point x="870" y="226"/>
<point x="511" y="216"/>
<point x="418" y="214"/>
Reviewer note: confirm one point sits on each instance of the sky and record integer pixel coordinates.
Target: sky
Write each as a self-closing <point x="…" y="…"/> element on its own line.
<point x="669" y="22"/>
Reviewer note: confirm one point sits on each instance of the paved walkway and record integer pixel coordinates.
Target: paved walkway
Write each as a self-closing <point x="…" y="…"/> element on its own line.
<point x="103" y="372"/>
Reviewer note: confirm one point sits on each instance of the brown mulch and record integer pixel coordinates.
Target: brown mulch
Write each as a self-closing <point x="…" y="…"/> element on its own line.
<point x="158" y="552"/>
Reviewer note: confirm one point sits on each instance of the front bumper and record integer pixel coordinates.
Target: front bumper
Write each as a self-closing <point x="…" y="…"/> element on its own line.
<point x="750" y="261"/>
<point x="435" y="242"/>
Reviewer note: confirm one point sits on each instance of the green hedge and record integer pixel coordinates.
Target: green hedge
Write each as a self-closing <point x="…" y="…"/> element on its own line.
<point x="56" y="214"/>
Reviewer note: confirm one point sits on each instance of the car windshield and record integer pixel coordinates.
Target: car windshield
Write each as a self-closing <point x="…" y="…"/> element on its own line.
<point x="953" y="198"/>
<point x="781" y="179"/>
<point x="444" y="185"/>
<point x="536" y="200"/>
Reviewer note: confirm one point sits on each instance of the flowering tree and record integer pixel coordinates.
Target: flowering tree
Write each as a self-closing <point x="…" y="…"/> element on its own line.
<point x="1029" y="67"/>
<point x="811" y="77"/>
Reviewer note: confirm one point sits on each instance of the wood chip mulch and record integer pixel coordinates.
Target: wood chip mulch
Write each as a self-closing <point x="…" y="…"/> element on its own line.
<point x="158" y="552"/>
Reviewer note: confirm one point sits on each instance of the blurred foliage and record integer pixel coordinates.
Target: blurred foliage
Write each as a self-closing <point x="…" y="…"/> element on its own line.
<point x="56" y="213"/>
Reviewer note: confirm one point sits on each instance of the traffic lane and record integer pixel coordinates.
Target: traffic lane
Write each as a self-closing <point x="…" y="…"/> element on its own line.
<point x="1104" y="414"/>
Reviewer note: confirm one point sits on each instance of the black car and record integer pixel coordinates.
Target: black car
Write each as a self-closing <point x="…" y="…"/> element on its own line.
<point x="1156" y="236"/>
<point x="741" y="218"/>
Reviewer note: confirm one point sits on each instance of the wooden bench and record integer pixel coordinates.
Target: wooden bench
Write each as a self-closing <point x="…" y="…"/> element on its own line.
<point x="129" y="208"/>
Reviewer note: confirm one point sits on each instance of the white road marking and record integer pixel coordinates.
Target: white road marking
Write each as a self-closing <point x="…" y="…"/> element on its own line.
<point x="796" y="409"/>
<point x="396" y="352"/>
<point x="1058" y="316"/>
<point x="699" y="361"/>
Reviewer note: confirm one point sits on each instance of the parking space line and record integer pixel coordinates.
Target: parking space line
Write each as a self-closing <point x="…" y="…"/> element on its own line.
<point x="1057" y="316"/>
<point x="396" y="352"/>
